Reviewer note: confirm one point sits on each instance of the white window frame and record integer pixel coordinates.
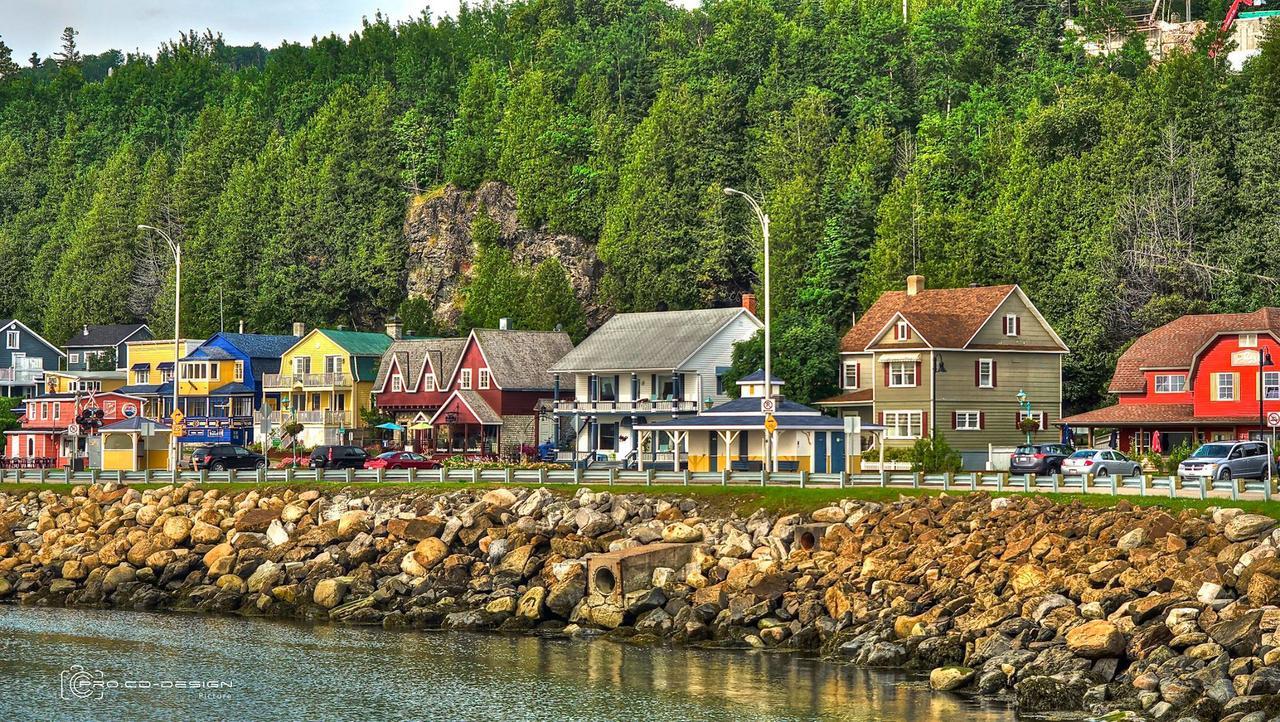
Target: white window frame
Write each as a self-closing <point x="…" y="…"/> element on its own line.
<point x="850" y="384"/>
<point x="12" y="339"/>
<point x="483" y="379"/>
<point x="986" y="373"/>
<point x="1168" y="381"/>
<point x="397" y="384"/>
<point x="301" y="365"/>
<point x="333" y="364"/>
<point x="902" y="331"/>
<point x="429" y="382"/>
<point x="1248" y="340"/>
<point x="464" y="379"/>
<point x="142" y="377"/>
<point x="1041" y="419"/>
<point x="902" y="370"/>
<point x="968" y="421"/>
<point x="57" y="411"/>
<point x="73" y="357"/>
<point x="238" y="373"/>
<point x="1270" y="385"/>
<point x="1230" y="386"/>
<point x="895" y="421"/>
<point x="1011" y="324"/>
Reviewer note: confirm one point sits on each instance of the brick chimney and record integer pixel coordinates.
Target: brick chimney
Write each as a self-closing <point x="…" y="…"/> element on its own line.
<point x="395" y="329"/>
<point x="915" y="284"/>
<point x="299" y="328"/>
<point x="749" y="302"/>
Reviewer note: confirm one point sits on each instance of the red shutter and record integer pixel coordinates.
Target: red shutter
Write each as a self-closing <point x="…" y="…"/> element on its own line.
<point x="1004" y="325"/>
<point x="1017" y="325"/>
<point x="886" y="374"/>
<point x="924" y="424"/>
<point x="993" y="374"/>
<point x="1017" y="419"/>
<point x="954" y="423"/>
<point x="857" y="382"/>
<point x="977" y="373"/>
<point x="918" y="379"/>
<point x="982" y="419"/>
<point x="880" y="418"/>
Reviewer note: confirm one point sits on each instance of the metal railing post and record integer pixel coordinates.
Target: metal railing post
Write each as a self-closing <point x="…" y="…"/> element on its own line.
<point x="804" y="478"/>
<point x="648" y="477"/>
<point x="724" y="477"/>
<point x="67" y="471"/>
<point x="232" y="476"/>
<point x="288" y="475"/>
<point x="946" y="480"/>
<point x="413" y="474"/>
<point x="475" y="475"/>
<point x="444" y="473"/>
<point x="382" y="475"/>
<point x="844" y="479"/>
<point x="686" y="477"/>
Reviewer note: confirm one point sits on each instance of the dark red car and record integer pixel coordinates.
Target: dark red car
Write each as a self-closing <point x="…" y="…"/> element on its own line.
<point x="401" y="460"/>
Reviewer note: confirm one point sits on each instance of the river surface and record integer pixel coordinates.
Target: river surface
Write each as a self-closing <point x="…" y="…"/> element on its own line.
<point x="75" y="664"/>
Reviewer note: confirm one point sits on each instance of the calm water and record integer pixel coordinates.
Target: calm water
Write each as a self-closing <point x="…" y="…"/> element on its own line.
<point x="271" y="669"/>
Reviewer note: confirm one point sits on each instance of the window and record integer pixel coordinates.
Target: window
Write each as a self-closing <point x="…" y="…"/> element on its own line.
<point x="213" y="371"/>
<point x="333" y="364"/>
<point x="44" y="411"/>
<point x="428" y="382"/>
<point x="397" y="384"/>
<point x="238" y="373"/>
<point x="666" y="388"/>
<point x="606" y="388"/>
<point x="31" y="446"/>
<point x="465" y="381"/>
<point x="340" y="402"/>
<point x="1271" y="385"/>
<point x="300" y="402"/>
<point x="1248" y="340"/>
<point x="850" y="380"/>
<point x="142" y="377"/>
<point x="1012" y="324"/>
<point x="902" y="374"/>
<point x="1171" y="383"/>
<point x="986" y="373"/>
<point x="903" y="424"/>
<point x="73" y="357"/>
<point x="902" y="331"/>
<point x="301" y="365"/>
<point x="968" y="421"/>
<point x="608" y="437"/>
<point x="483" y="378"/>
<point x="11" y="339"/>
<point x="57" y="411"/>
<point x="315" y="400"/>
<point x="1225" y="387"/>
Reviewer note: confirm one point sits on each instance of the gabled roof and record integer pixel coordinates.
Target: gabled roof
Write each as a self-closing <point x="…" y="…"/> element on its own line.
<point x="358" y="343"/>
<point x="136" y="424"/>
<point x="649" y="341"/>
<point x="520" y="360"/>
<point x="1176" y="344"/>
<point x="757" y="377"/>
<point x="944" y="317"/>
<point x="112" y="334"/>
<point x="258" y="345"/>
<point x="6" y="323"/>
<point x="474" y="403"/>
<point x="88" y="375"/>
<point x="414" y="356"/>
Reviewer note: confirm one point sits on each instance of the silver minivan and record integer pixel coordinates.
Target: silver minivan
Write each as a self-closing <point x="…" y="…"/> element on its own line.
<point x="1225" y="460"/>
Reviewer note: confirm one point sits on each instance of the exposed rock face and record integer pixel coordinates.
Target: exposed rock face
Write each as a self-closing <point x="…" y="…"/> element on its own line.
<point x="438" y="231"/>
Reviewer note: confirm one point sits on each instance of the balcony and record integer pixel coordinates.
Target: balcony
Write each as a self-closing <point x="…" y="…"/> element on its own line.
<point x="285" y="382"/>
<point x="643" y="406"/>
<point x="21" y="377"/>
<point x="309" y="418"/>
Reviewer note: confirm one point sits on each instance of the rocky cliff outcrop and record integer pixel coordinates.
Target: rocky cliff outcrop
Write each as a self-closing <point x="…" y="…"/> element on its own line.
<point x="437" y="230"/>
<point x="1166" y="615"/>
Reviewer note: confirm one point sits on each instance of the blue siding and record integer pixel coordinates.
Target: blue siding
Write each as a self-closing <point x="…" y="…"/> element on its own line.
<point x="30" y="345"/>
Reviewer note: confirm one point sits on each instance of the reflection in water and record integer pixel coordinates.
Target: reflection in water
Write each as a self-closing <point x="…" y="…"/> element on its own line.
<point x="279" y="669"/>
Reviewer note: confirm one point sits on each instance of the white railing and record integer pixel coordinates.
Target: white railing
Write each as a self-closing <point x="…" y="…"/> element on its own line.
<point x="641" y="406"/>
<point x="289" y="381"/>
<point x="996" y="482"/>
<point x="24" y="377"/>
<point x="326" y="418"/>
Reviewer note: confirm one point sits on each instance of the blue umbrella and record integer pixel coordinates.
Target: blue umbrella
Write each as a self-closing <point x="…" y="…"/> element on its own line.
<point x="391" y="426"/>
<point x="1067" y="433"/>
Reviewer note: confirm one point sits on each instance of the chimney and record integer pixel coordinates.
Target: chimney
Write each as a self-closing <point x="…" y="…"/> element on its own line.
<point x="395" y="329"/>
<point x="749" y="302"/>
<point x="915" y="284"/>
<point x="86" y="329"/>
<point x="242" y="325"/>
<point x="504" y="324"/>
<point x="299" y="328"/>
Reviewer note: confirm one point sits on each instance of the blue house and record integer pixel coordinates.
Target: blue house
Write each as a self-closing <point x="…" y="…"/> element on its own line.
<point x="23" y="359"/>
<point x="106" y="342"/>
<point x="220" y="385"/>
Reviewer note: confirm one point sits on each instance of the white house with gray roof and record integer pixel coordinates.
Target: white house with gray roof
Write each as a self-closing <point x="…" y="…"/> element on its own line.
<point x="643" y="368"/>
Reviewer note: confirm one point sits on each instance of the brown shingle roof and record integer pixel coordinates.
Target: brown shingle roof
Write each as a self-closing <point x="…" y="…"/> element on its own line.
<point x="411" y="356"/>
<point x="1174" y="345"/>
<point x="520" y="360"/>
<point x="848" y="397"/>
<point x="1153" y="415"/>
<point x="945" y="317"/>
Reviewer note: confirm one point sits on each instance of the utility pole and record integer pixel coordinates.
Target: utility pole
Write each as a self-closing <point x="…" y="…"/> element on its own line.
<point x="177" y="344"/>
<point x="770" y="460"/>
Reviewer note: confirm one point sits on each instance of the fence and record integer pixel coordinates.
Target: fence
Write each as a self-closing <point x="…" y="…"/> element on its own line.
<point x="1146" y="485"/>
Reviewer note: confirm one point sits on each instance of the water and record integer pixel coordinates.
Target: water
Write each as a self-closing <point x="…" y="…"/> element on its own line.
<point x="264" y="669"/>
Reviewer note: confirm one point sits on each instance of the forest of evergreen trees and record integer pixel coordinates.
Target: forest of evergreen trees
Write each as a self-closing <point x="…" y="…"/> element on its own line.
<point x="974" y="143"/>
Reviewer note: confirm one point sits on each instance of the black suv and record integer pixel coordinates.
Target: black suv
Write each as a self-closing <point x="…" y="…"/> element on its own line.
<point x="221" y="457"/>
<point x="338" y="457"/>
<point x="1039" y="458"/>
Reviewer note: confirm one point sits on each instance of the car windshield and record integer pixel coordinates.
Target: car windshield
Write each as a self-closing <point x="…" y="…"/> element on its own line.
<point x="1025" y="450"/>
<point x="388" y="455"/>
<point x="1083" y="454"/>
<point x="1212" y="451"/>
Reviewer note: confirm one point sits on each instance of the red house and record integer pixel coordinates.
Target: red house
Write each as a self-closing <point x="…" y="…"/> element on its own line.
<point x="51" y="435"/>
<point x="1200" y="378"/>
<point x="475" y="395"/>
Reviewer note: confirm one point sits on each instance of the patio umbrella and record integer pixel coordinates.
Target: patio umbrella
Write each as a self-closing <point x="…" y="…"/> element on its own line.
<point x="1114" y="441"/>
<point x="1067" y="434"/>
<point x="1156" y="445"/>
<point x="420" y="426"/>
<point x="391" y="426"/>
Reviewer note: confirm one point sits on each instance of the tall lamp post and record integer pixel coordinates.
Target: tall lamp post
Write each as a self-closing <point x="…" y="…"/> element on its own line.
<point x="1026" y="411"/>
<point x="177" y="344"/>
<point x="768" y="365"/>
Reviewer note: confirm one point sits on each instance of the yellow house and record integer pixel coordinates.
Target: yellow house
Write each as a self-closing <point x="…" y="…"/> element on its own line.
<point x="150" y="373"/>
<point x="71" y="382"/>
<point x="219" y="386"/>
<point x="135" y="444"/>
<point x="325" y="381"/>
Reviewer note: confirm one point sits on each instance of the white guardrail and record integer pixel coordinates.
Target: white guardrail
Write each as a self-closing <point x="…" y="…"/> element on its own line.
<point x="1147" y="485"/>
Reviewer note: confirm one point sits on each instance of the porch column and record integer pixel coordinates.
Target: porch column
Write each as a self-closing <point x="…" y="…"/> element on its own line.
<point x="641" y="436"/>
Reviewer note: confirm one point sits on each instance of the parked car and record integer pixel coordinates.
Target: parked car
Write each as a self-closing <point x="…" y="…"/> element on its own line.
<point x="1100" y="463"/>
<point x="1225" y="460"/>
<point x="1038" y="458"/>
<point x="338" y="457"/>
<point x="401" y="460"/>
<point x="222" y="457"/>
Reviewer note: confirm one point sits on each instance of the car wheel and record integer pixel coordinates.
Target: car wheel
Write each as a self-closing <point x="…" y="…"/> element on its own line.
<point x="217" y="466"/>
<point x="1137" y="470"/>
<point x="261" y="464"/>
<point x="1102" y="473"/>
<point x="1225" y="476"/>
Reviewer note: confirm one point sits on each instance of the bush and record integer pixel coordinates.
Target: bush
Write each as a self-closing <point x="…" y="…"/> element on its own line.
<point x="934" y="456"/>
<point x="1168" y="464"/>
<point x="893" y="454"/>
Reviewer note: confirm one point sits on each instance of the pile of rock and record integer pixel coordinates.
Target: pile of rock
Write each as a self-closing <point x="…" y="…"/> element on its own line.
<point x="1061" y="607"/>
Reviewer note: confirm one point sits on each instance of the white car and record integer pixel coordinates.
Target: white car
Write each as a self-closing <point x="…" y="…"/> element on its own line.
<point x="1100" y="463"/>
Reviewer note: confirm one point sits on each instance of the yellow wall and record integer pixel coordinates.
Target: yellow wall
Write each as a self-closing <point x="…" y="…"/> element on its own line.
<point x="317" y="347"/>
<point x="202" y="387"/>
<point x="57" y="383"/>
<point x="156" y="352"/>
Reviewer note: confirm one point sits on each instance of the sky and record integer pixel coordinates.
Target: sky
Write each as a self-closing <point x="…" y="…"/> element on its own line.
<point x="132" y="25"/>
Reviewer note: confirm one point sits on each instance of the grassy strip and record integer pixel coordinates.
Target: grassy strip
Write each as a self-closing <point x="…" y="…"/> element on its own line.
<point x="742" y="500"/>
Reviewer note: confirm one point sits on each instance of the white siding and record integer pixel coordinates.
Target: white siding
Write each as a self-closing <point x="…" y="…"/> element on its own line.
<point x="718" y="352"/>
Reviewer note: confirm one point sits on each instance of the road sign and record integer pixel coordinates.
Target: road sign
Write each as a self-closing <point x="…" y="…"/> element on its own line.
<point x="768" y="405"/>
<point x="1273" y="419"/>
<point x="73" y="430"/>
<point x="177" y="416"/>
<point x="770" y="424"/>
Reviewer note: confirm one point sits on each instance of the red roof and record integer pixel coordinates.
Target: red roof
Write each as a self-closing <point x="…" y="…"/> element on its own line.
<point x="1152" y="415"/>
<point x="1175" y="344"/>
<point x="945" y="317"/>
<point x="849" y="397"/>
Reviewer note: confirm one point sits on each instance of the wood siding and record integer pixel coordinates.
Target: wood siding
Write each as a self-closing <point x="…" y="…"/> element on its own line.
<point x="1032" y="332"/>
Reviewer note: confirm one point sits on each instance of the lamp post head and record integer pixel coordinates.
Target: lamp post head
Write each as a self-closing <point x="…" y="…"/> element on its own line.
<point x="1022" y="395"/>
<point x="729" y="191"/>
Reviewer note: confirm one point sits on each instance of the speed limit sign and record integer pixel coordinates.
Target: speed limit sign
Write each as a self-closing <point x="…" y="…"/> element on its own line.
<point x="1273" y="419"/>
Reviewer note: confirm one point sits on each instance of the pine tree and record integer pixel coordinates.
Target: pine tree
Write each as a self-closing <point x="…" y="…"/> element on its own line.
<point x="550" y="302"/>
<point x="7" y="66"/>
<point x="68" y="55"/>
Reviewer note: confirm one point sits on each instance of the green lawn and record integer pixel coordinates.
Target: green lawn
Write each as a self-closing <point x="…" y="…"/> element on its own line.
<point x="743" y="500"/>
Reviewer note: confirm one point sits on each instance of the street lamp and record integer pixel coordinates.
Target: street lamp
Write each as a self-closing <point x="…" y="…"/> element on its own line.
<point x="1026" y="411"/>
<point x="768" y="366"/>
<point x="177" y="344"/>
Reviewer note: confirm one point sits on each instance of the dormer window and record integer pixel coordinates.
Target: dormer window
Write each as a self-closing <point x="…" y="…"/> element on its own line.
<point x="465" y="381"/>
<point x="850" y="380"/>
<point x="483" y="378"/>
<point x="902" y="331"/>
<point x="11" y="339"/>
<point x="1012" y="324"/>
<point x="1248" y="340"/>
<point x="397" y="384"/>
<point x="429" y="382"/>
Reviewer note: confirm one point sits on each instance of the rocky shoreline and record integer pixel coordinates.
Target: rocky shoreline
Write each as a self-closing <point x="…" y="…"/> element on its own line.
<point x="1131" y="610"/>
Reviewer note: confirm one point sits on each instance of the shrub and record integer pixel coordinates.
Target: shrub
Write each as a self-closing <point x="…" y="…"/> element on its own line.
<point x="934" y="456"/>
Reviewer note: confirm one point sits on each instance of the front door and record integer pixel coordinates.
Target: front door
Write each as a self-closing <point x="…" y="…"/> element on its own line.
<point x="713" y="444"/>
<point x="837" y="452"/>
<point x="820" y="452"/>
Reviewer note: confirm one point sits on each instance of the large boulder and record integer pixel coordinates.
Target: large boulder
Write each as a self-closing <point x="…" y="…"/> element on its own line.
<point x="681" y="533"/>
<point x="945" y="679"/>
<point x="1096" y="639"/>
<point x="178" y="528"/>
<point x="330" y="592"/>
<point x="353" y="522"/>
<point x="256" y="520"/>
<point x="1247" y="526"/>
<point x="429" y="552"/>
